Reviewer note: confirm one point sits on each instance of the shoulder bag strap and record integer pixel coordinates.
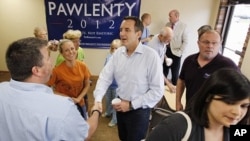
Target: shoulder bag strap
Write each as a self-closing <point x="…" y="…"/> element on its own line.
<point x="189" y="126"/>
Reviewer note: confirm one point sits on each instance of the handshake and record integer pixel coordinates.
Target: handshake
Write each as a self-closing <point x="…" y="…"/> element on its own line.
<point x="97" y="108"/>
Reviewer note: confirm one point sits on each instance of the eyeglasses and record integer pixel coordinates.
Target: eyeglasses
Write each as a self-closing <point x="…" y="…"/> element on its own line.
<point x="208" y="43"/>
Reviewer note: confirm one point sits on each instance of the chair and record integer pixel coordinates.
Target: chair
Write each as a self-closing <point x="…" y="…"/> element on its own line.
<point x="163" y="103"/>
<point x="158" y="113"/>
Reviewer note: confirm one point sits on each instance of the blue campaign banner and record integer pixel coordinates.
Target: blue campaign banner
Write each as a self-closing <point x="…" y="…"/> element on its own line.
<point x="98" y="20"/>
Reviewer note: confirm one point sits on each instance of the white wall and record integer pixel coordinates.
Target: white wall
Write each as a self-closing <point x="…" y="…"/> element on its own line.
<point x="19" y="17"/>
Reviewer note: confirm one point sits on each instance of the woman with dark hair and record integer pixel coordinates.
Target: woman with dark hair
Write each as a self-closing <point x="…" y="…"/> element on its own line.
<point x="223" y="100"/>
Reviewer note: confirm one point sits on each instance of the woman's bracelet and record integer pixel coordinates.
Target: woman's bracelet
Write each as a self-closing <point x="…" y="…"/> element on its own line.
<point x="99" y="112"/>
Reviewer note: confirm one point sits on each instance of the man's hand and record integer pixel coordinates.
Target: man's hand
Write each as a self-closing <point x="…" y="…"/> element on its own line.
<point x="76" y="100"/>
<point x="96" y="108"/>
<point x="172" y="88"/>
<point x="179" y="107"/>
<point x="123" y="106"/>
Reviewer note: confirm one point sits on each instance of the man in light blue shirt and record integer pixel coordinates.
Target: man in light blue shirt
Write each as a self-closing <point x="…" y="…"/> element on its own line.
<point x="146" y="21"/>
<point x="158" y="43"/>
<point x="137" y="70"/>
<point x="29" y="109"/>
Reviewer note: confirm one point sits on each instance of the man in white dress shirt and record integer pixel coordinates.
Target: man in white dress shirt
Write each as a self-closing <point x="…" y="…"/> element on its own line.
<point x="137" y="70"/>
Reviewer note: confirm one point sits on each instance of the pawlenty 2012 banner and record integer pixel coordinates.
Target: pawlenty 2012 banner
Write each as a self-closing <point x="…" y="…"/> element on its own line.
<point x="98" y="20"/>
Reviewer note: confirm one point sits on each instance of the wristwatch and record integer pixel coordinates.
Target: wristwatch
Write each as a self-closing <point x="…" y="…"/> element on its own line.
<point x="130" y="106"/>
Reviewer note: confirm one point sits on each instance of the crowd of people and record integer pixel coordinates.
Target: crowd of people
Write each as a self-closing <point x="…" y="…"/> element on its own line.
<point x="54" y="98"/>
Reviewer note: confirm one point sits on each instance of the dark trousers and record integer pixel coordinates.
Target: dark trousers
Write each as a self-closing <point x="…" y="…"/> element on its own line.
<point x="133" y="125"/>
<point x="79" y="108"/>
<point x="175" y="67"/>
<point x="83" y="109"/>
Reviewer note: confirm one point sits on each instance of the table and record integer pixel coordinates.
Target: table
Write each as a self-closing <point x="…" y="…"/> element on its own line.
<point x="170" y="98"/>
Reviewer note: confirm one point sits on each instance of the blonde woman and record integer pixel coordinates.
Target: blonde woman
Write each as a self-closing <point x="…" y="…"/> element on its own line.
<point x="74" y="36"/>
<point x="71" y="77"/>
